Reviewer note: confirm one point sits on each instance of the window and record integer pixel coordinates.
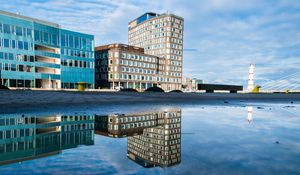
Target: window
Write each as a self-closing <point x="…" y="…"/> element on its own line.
<point x="71" y="44"/>
<point x="46" y="37"/>
<point x="37" y="35"/>
<point x="63" y="40"/>
<point x="83" y="41"/>
<point x="13" y="67"/>
<point x="20" y="45"/>
<point x="13" y="44"/>
<point x="31" y="58"/>
<point x="89" y="44"/>
<point x="19" y="31"/>
<point x="54" y="39"/>
<point x="77" y="42"/>
<point x="25" y="45"/>
<point x="6" y="43"/>
<point x="29" y="32"/>
<point x="21" y="68"/>
<point x="11" y="56"/>
<point x="6" y="28"/>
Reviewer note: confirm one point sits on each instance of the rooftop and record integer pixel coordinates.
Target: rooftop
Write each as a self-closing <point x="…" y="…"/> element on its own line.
<point x="120" y="46"/>
<point x="15" y="15"/>
<point x="149" y="15"/>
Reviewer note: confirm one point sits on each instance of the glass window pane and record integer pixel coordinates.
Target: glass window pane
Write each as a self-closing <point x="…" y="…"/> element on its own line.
<point x="6" y="28"/>
<point x="6" y="43"/>
<point x="46" y="37"/>
<point x="19" y="31"/>
<point x="77" y="42"/>
<point x="37" y="35"/>
<point x="13" y="44"/>
<point x="25" y="45"/>
<point x="71" y="41"/>
<point x="29" y="31"/>
<point x="20" y="45"/>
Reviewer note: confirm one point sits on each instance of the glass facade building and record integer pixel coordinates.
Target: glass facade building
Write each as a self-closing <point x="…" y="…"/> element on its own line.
<point x="39" y="54"/>
<point x="30" y="137"/>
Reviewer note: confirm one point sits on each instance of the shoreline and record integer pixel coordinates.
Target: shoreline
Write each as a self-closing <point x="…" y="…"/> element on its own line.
<point x="28" y="100"/>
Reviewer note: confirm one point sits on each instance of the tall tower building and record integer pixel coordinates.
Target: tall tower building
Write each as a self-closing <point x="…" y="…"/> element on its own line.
<point x="161" y="35"/>
<point x="251" y="78"/>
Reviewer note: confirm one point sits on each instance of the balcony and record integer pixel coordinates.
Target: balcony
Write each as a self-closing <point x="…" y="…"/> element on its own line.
<point x="47" y="54"/>
<point x="47" y="76"/>
<point x="47" y="65"/>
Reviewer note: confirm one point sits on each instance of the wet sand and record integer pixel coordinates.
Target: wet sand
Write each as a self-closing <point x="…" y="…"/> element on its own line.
<point x="25" y="100"/>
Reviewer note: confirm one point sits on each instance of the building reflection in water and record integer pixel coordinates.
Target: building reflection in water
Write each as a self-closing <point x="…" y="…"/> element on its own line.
<point x="29" y="137"/>
<point x="154" y="139"/>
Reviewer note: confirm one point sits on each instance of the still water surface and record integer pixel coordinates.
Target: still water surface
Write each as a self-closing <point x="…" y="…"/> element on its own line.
<point x="194" y="139"/>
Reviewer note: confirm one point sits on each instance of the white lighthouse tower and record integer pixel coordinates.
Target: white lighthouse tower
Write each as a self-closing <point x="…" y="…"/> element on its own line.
<point x="251" y="78"/>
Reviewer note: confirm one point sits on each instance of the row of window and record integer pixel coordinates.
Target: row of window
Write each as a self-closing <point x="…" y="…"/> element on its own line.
<point x="71" y="85"/>
<point x="158" y="23"/>
<point x="16" y="133"/>
<point x="15" y="44"/>
<point x="156" y="33"/>
<point x="136" y="57"/>
<point x="126" y="55"/>
<point x="148" y="39"/>
<point x="137" y="70"/>
<point x="133" y="119"/>
<point x="18" y="83"/>
<point x="143" y="78"/>
<point x="78" y="127"/>
<point x="135" y="125"/>
<point x="131" y="77"/>
<point x="46" y="37"/>
<point x="77" y="118"/>
<point x="76" y="42"/>
<point x="77" y="53"/>
<point x="16" y="67"/>
<point x="162" y="51"/>
<point x="16" y="57"/>
<point x="77" y="63"/>
<point x="15" y="30"/>
<point x="16" y="120"/>
<point x="136" y="64"/>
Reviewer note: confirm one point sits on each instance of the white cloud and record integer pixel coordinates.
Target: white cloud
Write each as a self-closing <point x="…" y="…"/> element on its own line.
<point x="226" y="35"/>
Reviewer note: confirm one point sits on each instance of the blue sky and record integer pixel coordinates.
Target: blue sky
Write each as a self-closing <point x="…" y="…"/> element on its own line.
<point x="221" y="37"/>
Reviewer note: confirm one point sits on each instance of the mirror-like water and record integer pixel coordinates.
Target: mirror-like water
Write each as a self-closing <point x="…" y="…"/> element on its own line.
<point x="171" y="140"/>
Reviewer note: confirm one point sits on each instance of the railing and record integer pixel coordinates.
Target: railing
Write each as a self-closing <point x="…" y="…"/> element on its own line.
<point x="47" y="76"/>
<point x="47" y="65"/>
<point x="47" y="54"/>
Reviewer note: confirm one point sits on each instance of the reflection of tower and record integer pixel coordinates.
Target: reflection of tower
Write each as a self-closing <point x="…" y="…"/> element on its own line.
<point x="250" y="114"/>
<point x="159" y="145"/>
<point x="251" y="78"/>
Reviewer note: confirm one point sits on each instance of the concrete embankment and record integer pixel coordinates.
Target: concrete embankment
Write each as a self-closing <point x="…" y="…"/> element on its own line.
<point x="11" y="100"/>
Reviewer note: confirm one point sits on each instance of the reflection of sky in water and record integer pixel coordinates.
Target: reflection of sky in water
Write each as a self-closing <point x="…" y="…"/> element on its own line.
<point x="215" y="140"/>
